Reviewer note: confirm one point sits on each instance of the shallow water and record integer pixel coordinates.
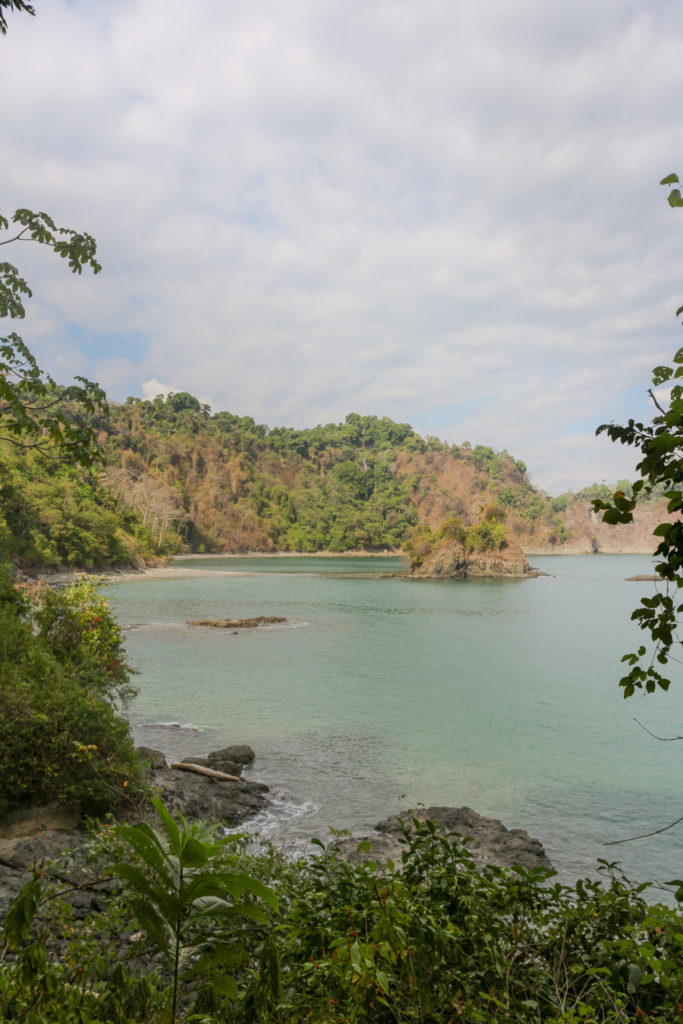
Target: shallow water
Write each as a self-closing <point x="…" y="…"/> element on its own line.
<point x="380" y="693"/>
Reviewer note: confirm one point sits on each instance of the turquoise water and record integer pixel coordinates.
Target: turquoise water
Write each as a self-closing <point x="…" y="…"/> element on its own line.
<point x="380" y="692"/>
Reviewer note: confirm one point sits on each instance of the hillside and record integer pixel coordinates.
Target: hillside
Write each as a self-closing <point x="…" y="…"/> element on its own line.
<point x="177" y="477"/>
<point x="229" y="484"/>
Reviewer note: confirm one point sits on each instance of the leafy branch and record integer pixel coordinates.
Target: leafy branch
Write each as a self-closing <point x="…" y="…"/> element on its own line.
<point x="661" y="466"/>
<point x="13" y="5"/>
<point x="34" y="411"/>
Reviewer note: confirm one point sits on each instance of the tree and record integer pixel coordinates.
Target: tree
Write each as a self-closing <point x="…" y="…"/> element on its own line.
<point x="35" y="412"/>
<point x="64" y="680"/>
<point x="661" y="466"/>
<point x="12" y="5"/>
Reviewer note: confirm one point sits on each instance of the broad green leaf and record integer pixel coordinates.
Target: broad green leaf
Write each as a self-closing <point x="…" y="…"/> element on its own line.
<point x="225" y="985"/>
<point x="257" y="888"/>
<point x="146" y="842"/>
<point x="166" y="900"/>
<point x="383" y="981"/>
<point x="153" y="924"/>
<point x="169" y="823"/>
<point x="194" y="853"/>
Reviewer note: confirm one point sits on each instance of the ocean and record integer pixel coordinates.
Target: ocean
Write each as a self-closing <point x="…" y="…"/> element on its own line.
<point x="380" y="693"/>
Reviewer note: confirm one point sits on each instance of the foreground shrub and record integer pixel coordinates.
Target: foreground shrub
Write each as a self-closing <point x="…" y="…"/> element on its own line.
<point x="64" y="682"/>
<point x="435" y="942"/>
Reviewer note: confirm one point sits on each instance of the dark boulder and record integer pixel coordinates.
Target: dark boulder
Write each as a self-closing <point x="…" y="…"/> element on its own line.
<point x="238" y="755"/>
<point x="151" y="758"/>
<point x="490" y="841"/>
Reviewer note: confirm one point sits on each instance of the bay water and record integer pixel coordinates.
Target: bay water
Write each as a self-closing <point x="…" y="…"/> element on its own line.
<point x="381" y="693"/>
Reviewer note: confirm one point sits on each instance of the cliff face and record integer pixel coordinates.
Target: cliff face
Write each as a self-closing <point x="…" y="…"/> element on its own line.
<point x="587" y="534"/>
<point x="450" y="560"/>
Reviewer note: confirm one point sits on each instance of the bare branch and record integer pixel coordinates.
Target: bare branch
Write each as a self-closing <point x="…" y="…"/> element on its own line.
<point x="652" y="396"/>
<point x="646" y="835"/>
<point x="663" y="739"/>
<point x="17" y="238"/>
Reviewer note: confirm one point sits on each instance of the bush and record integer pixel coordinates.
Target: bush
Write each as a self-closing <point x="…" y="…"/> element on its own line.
<point x="64" y="682"/>
<point x="432" y="940"/>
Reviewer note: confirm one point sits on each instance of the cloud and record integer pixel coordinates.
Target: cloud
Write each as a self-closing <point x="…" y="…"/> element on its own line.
<point x="386" y="208"/>
<point x="155" y="389"/>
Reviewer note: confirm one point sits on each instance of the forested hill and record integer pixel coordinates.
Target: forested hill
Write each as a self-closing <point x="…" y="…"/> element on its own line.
<point x="228" y="483"/>
<point x="177" y="477"/>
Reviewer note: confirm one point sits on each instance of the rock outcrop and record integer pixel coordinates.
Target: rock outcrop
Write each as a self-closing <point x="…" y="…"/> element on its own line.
<point x="450" y="560"/>
<point x="200" y="796"/>
<point x="257" y="620"/>
<point x="490" y="841"/>
<point x="31" y="835"/>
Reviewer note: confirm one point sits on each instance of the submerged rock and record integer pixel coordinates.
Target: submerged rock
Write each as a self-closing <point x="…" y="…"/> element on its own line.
<point x="257" y="620"/>
<point x="490" y="841"/>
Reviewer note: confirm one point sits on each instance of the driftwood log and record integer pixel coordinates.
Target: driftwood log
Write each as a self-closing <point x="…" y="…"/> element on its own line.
<point x="185" y="766"/>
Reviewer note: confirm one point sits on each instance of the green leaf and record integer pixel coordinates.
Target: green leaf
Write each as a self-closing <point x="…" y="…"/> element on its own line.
<point x="156" y="927"/>
<point x="21" y="913"/>
<point x="635" y="976"/>
<point x="146" y="842"/>
<point x="671" y="179"/>
<point x="257" y="888"/>
<point x="194" y="853"/>
<point x="383" y="981"/>
<point x="169" y="823"/>
<point x="165" y="899"/>
<point x="225" y="985"/>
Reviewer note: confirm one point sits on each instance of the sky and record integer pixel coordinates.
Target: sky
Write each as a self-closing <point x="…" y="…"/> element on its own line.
<point x="444" y="212"/>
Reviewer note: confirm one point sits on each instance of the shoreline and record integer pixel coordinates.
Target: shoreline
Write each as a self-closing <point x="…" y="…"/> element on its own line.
<point x="64" y="576"/>
<point x="353" y="553"/>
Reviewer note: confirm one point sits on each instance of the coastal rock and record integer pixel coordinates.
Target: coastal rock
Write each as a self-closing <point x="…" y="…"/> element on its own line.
<point x="450" y="560"/>
<point x="252" y="623"/>
<point x="230" y="760"/>
<point x="237" y="753"/>
<point x="198" y="796"/>
<point x="32" y="835"/>
<point x="491" y="843"/>
<point x="153" y="759"/>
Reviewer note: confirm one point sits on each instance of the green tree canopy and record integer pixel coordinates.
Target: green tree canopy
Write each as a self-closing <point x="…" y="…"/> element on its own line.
<point x="35" y="412"/>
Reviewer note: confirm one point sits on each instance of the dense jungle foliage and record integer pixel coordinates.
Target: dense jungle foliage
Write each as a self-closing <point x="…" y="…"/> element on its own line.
<point x="64" y="680"/>
<point x="193" y="928"/>
<point x="176" y="477"/>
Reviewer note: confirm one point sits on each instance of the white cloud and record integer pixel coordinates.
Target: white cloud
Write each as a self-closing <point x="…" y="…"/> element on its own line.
<point x="441" y="212"/>
<point x="155" y="389"/>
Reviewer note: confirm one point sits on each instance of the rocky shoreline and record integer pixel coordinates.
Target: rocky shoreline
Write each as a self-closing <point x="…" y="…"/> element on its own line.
<point x="32" y="835"/>
<point x="211" y="788"/>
